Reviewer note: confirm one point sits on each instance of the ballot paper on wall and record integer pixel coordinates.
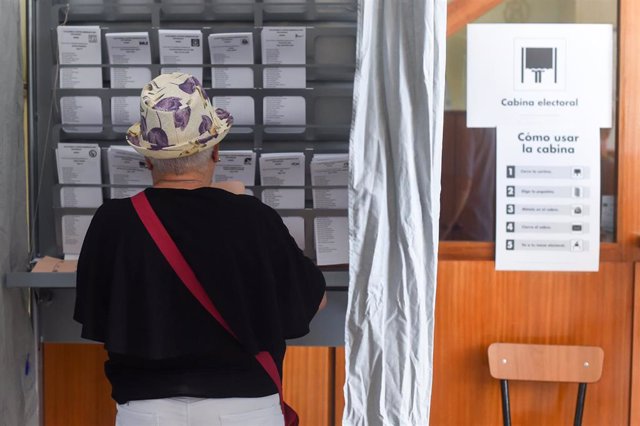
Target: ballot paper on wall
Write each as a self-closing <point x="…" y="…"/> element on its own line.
<point x="332" y="240"/>
<point x="284" y="110"/>
<point x="283" y="169"/>
<point x="295" y="224"/>
<point x="81" y="114"/>
<point x="284" y="45"/>
<point x="240" y="107"/>
<point x="181" y="47"/>
<point x="330" y="170"/>
<point x="231" y="49"/>
<point x="127" y="167"/>
<point x="81" y="196"/>
<point x="74" y="228"/>
<point x="127" y="48"/>
<point x="79" y="46"/>
<point x="78" y="163"/>
<point x="236" y="165"/>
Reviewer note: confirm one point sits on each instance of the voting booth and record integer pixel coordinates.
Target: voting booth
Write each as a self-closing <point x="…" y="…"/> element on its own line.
<point x="283" y="69"/>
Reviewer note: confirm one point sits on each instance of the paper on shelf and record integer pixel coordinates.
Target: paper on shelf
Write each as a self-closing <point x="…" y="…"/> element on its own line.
<point x="284" y="45"/>
<point x="284" y="110"/>
<point x="74" y="228"/>
<point x="124" y="110"/>
<point x="181" y="47"/>
<point x="283" y="169"/>
<point x="79" y="45"/>
<point x="331" y="240"/>
<point x="129" y="48"/>
<point x="81" y="196"/>
<point x="127" y="167"/>
<point x="330" y="170"/>
<point x="78" y="163"/>
<point x="240" y="107"/>
<point x="81" y="114"/>
<point x="236" y="165"/>
<point x="53" y="264"/>
<point x="295" y="224"/>
<point x="231" y="49"/>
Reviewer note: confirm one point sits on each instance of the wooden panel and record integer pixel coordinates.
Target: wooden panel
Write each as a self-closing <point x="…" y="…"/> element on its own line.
<point x="462" y="12"/>
<point x="339" y="385"/>
<point x="634" y="416"/>
<point x="477" y="306"/>
<point x="76" y="392"/>
<point x="308" y="383"/>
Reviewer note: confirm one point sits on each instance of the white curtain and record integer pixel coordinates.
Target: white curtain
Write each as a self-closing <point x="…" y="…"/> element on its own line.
<point x="18" y="399"/>
<point x="394" y="202"/>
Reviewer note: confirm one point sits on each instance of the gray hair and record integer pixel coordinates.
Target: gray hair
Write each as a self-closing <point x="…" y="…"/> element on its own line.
<point x="182" y="165"/>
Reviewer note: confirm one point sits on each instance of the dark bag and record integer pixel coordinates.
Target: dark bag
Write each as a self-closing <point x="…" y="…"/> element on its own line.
<point x="173" y="255"/>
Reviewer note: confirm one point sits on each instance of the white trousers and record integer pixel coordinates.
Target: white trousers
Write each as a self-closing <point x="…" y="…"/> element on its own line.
<point x="263" y="411"/>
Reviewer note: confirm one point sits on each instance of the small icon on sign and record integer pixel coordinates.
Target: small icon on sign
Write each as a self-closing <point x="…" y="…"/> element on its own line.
<point x="538" y="60"/>
<point x="511" y="171"/>
<point x="577" y="191"/>
<point x="510" y="245"/>
<point x="511" y="226"/>
<point x="511" y="191"/>
<point x="511" y="208"/>
<point x="195" y="42"/>
<point x="577" y="210"/>
<point x="577" y="173"/>
<point x="576" y="227"/>
<point x="577" y="245"/>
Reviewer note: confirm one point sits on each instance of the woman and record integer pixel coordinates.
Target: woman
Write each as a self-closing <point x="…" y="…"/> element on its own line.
<point x="170" y="362"/>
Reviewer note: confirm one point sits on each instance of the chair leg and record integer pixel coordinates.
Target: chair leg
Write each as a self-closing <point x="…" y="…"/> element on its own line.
<point x="506" y="410"/>
<point x="582" y="391"/>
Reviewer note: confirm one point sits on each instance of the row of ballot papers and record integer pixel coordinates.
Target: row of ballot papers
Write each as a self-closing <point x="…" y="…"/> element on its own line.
<point x="80" y="45"/>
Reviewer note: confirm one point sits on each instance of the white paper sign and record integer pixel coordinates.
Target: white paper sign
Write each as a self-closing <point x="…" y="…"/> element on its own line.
<point x="129" y="48"/>
<point x="79" y="46"/>
<point x="330" y="170"/>
<point x="127" y="167"/>
<point x="231" y="49"/>
<point x="284" y="110"/>
<point x="181" y="47"/>
<point x="74" y="228"/>
<point x="80" y="196"/>
<point x="284" y="45"/>
<point x="332" y="240"/>
<point x="296" y="229"/>
<point x="547" y="198"/>
<point x="236" y="165"/>
<point x="78" y="163"/>
<point x="539" y="73"/>
<point x="81" y="114"/>
<point x="240" y="107"/>
<point x="283" y="169"/>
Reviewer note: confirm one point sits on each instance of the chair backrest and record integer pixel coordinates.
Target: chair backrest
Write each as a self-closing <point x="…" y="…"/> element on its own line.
<point x="547" y="363"/>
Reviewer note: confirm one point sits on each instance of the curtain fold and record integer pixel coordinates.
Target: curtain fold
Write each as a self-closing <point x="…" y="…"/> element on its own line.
<point x="18" y="397"/>
<point x="394" y="205"/>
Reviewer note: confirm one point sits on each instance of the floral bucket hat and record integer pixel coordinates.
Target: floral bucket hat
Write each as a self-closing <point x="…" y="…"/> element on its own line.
<point x="176" y="118"/>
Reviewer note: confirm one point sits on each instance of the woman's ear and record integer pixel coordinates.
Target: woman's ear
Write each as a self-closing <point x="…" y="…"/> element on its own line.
<point x="215" y="155"/>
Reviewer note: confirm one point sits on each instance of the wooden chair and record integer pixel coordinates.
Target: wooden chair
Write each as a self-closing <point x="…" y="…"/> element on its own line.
<point x="546" y="363"/>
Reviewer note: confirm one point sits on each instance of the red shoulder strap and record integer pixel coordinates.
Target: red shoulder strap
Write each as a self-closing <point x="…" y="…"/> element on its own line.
<point x="179" y="264"/>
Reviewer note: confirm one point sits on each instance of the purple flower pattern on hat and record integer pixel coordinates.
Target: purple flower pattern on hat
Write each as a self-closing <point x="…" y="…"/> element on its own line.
<point x="158" y="139"/>
<point x="224" y="115"/>
<point x="189" y="85"/>
<point x="205" y="125"/>
<point x="143" y="127"/>
<point x="181" y="118"/>
<point x="168" y="104"/>
<point x="134" y="139"/>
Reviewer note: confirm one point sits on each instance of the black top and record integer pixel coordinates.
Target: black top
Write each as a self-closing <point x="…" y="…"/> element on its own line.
<point x="161" y="341"/>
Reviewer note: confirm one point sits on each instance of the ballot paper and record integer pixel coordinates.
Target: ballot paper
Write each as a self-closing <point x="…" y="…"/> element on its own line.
<point x="181" y="47"/>
<point x="231" y="49"/>
<point x="81" y="114"/>
<point x="330" y="170"/>
<point x="296" y="229"/>
<point x="74" y="228"/>
<point x="283" y="169"/>
<point x="284" y="45"/>
<point x="81" y="196"/>
<point x="332" y="240"/>
<point x="284" y="110"/>
<point x="240" y="107"/>
<point x="79" y="46"/>
<point x="129" y="48"/>
<point x="124" y="110"/>
<point x="78" y="163"/>
<point x="236" y="165"/>
<point x="127" y="167"/>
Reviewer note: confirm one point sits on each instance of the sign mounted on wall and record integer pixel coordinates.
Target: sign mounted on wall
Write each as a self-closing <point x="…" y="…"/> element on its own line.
<point x="547" y="88"/>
